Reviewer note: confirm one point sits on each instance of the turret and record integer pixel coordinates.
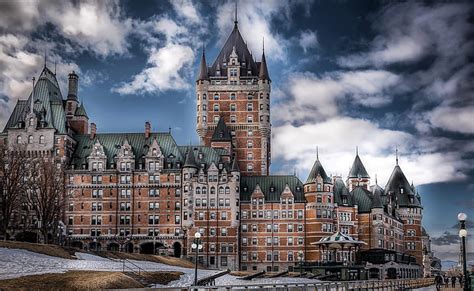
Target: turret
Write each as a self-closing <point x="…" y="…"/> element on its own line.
<point x="73" y="85"/>
<point x="264" y="111"/>
<point x="358" y="175"/>
<point x="202" y="84"/>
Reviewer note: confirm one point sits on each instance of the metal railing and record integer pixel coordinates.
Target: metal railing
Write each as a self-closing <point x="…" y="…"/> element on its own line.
<point x="127" y="268"/>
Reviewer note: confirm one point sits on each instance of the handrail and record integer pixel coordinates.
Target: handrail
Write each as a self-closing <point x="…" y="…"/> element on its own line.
<point x="140" y="270"/>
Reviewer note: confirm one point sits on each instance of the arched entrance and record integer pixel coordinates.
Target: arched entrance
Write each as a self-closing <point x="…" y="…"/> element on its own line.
<point x="77" y="244"/>
<point x="128" y="247"/>
<point x="147" y="248"/>
<point x="391" y="273"/>
<point x="177" y="249"/>
<point x="113" y="247"/>
<point x="374" y="273"/>
<point x="94" y="246"/>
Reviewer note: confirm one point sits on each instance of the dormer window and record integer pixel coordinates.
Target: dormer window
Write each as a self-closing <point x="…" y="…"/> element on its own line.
<point x="272" y="189"/>
<point x="41" y="139"/>
<point x="30" y="139"/>
<point x="31" y="122"/>
<point x="233" y="62"/>
<point x="125" y="152"/>
<point x="401" y="190"/>
<point x="319" y="187"/>
<point x="233" y="71"/>
<point x="153" y="152"/>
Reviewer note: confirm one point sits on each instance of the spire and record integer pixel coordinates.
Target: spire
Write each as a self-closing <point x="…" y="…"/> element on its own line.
<point x="358" y="170"/>
<point x="263" y="72"/>
<point x="376" y="182"/>
<point x="190" y="160"/>
<point x="203" y="75"/>
<point x="235" y="16"/>
<point x="235" y="166"/>
<point x="222" y="132"/>
<point x="396" y="156"/>
<point x="317" y="153"/>
<point x="357" y="150"/>
<point x="32" y="96"/>
<point x="45" y="58"/>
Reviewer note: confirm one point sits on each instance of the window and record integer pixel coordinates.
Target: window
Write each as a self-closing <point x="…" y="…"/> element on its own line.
<point x="204" y="96"/>
<point x="249" y="167"/>
<point x="216" y="118"/>
<point x="216" y="107"/>
<point x="232" y="107"/>
<point x="249" y="107"/>
<point x="41" y="139"/>
<point x="249" y="144"/>
<point x="249" y="119"/>
<point x="216" y="96"/>
<point x="30" y="139"/>
<point x="18" y="139"/>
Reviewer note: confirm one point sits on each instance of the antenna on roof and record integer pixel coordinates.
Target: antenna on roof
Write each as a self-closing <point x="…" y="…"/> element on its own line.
<point x="55" y="66"/>
<point x="317" y="153"/>
<point x="169" y="130"/>
<point x="263" y="44"/>
<point x="235" y="16"/>
<point x="357" y="150"/>
<point x="396" y="155"/>
<point x="376" y="179"/>
<point x="45" y="58"/>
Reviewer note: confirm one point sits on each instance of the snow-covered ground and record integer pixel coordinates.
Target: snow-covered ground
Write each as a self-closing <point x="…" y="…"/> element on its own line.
<point x="16" y="263"/>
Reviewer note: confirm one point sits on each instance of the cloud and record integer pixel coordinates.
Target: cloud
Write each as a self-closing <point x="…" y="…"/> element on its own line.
<point x="307" y="40"/>
<point x="164" y="71"/>
<point x="187" y="10"/>
<point x="455" y="119"/>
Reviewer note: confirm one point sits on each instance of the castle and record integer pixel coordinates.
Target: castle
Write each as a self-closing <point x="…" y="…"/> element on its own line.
<point x="142" y="192"/>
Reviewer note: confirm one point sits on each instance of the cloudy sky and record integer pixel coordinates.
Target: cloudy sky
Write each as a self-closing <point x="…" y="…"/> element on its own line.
<point x="378" y="75"/>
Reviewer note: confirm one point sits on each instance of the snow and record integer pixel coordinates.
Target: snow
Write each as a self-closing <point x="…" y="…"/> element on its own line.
<point x="16" y="263"/>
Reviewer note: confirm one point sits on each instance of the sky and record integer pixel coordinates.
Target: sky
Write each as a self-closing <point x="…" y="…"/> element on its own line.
<point x="377" y="75"/>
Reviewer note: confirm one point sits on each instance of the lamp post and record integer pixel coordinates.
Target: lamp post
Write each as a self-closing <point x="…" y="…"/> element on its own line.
<point x="463" y="234"/>
<point x="196" y="246"/>
<point x="301" y="256"/>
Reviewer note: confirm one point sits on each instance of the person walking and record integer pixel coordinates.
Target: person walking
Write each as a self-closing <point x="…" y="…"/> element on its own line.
<point x="453" y="281"/>
<point x="446" y="281"/>
<point x="438" y="281"/>
<point x="461" y="281"/>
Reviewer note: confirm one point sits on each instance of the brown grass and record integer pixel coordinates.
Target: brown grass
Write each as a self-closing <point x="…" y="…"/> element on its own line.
<point x="150" y="258"/>
<point x="84" y="280"/>
<point x="241" y="273"/>
<point x="50" y="250"/>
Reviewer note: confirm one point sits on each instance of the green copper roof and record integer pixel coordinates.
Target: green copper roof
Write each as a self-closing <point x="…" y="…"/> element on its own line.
<point x="47" y="104"/>
<point x="202" y="154"/>
<point x="318" y="170"/>
<point x="81" y="110"/>
<point x="248" y="185"/>
<point x="358" y="170"/>
<point x="363" y="199"/>
<point x="340" y="190"/>
<point x="113" y="141"/>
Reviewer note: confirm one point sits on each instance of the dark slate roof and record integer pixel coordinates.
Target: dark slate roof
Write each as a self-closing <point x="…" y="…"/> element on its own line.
<point x="263" y="70"/>
<point x="249" y="183"/>
<point x="190" y="161"/>
<point x="203" y="73"/>
<point x="358" y="169"/>
<point x="112" y="142"/>
<point x="396" y="183"/>
<point x="363" y="198"/>
<point x="81" y="110"/>
<point x="318" y="169"/>
<point x="377" y="201"/>
<point x="209" y="155"/>
<point x="235" y="165"/>
<point x="235" y="40"/>
<point x="341" y="190"/>
<point x="222" y="132"/>
<point x="47" y="104"/>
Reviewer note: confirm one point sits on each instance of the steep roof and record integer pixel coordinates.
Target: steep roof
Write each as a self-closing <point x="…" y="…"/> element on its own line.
<point x="401" y="188"/>
<point x="363" y="199"/>
<point x="263" y="70"/>
<point x="341" y="190"/>
<point x="222" y="132"/>
<point x="81" y="110"/>
<point x="47" y="104"/>
<point x="190" y="161"/>
<point x="113" y="141"/>
<point x="317" y="170"/>
<point x="202" y="155"/>
<point x="249" y="183"/>
<point x="358" y="170"/>
<point x="235" y="40"/>
<point x="235" y="165"/>
<point x="203" y="73"/>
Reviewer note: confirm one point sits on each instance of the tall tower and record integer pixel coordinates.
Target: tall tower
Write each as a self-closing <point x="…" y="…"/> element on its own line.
<point x="237" y="89"/>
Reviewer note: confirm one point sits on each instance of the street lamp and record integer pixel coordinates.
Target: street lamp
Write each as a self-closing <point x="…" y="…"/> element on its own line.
<point x="196" y="246"/>
<point x="301" y="256"/>
<point x="463" y="234"/>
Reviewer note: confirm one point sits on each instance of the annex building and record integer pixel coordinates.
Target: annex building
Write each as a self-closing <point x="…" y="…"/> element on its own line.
<point x="143" y="192"/>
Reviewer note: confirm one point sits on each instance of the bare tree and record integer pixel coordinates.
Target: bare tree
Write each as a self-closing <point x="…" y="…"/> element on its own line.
<point x="47" y="193"/>
<point x="13" y="173"/>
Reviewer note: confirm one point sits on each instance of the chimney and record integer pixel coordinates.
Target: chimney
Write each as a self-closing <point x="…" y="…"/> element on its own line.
<point x="73" y="85"/>
<point x="147" y="129"/>
<point x="93" y="130"/>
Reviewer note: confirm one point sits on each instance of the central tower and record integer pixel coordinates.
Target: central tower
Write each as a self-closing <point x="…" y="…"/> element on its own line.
<point x="236" y="89"/>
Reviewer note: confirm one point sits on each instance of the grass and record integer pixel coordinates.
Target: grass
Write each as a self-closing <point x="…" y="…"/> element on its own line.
<point x="177" y="262"/>
<point x="84" y="280"/>
<point x="50" y="250"/>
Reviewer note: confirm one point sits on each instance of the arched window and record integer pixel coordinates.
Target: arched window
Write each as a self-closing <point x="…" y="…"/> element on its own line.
<point x="227" y="190"/>
<point x="18" y="139"/>
<point x="249" y="167"/>
<point x="249" y="144"/>
<point x="221" y="190"/>
<point x="198" y="190"/>
<point x="204" y="107"/>
<point x="232" y="96"/>
<point x="153" y="152"/>
<point x="216" y="107"/>
<point x="30" y="139"/>
<point x="204" y="190"/>
<point x="204" y="96"/>
<point x="31" y="121"/>
<point x="41" y="139"/>
<point x="216" y="96"/>
<point x="213" y="190"/>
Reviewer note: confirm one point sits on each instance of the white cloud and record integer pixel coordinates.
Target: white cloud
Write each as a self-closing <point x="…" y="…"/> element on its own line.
<point x="455" y="119"/>
<point x="307" y="40"/>
<point x="163" y="73"/>
<point x="187" y="10"/>
<point x="338" y="137"/>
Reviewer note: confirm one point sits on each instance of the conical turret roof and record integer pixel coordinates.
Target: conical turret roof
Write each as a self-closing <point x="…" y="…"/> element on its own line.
<point x="358" y="170"/>
<point x="203" y="73"/>
<point x="190" y="161"/>
<point x="263" y="71"/>
<point x="317" y="170"/>
<point x="222" y="132"/>
<point x="401" y="188"/>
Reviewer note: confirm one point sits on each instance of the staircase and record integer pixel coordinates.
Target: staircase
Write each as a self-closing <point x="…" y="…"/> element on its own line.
<point x="135" y="272"/>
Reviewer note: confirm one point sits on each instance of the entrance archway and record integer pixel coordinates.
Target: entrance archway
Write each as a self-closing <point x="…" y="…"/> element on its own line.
<point x="147" y="248"/>
<point x="128" y="247"/>
<point x="391" y="273"/>
<point x="113" y="247"/>
<point x="177" y="249"/>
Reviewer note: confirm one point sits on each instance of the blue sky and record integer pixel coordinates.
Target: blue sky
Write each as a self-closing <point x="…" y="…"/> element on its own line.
<point x="377" y="75"/>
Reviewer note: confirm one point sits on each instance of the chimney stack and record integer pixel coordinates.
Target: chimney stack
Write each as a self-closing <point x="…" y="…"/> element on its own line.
<point x="147" y="129"/>
<point x="93" y="130"/>
<point x="73" y="85"/>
